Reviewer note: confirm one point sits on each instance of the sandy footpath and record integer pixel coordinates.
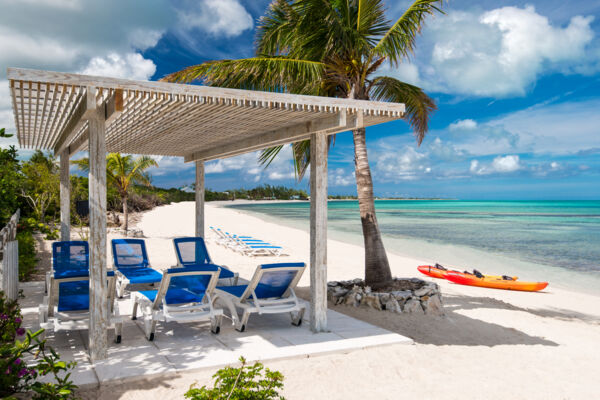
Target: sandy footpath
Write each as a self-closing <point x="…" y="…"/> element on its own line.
<point x="490" y="345"/>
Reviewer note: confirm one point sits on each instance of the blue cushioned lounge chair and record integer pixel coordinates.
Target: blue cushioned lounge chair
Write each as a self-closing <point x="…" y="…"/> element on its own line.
<point x="270" y="291"/>
<point x="131" y="264"/>
<point x="192" y="252"/>
<point x="66" y="307"/>
<point x="184" y="295"/>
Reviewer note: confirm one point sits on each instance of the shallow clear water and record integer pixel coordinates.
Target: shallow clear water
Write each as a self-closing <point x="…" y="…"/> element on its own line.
<point x="559" y="239"/>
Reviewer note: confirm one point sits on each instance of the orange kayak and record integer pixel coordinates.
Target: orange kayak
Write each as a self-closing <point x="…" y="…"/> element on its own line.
<point x="440" y="273"/>
<point x="432" y="271"/>
<point x="497" y="283"/>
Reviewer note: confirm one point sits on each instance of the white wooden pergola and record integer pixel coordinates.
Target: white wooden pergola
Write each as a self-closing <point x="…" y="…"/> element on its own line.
<point x="67" y="113"/>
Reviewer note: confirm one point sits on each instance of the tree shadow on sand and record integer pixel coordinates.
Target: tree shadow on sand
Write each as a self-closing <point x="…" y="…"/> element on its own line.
<point x="452" y="329"/>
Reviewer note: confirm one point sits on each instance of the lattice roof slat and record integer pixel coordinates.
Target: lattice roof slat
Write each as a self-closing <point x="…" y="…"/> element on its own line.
<point x="170" y="119"/>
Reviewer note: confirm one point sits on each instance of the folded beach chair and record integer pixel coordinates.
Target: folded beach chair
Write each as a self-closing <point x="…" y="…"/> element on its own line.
<point x="270" y="291"/>
<point x="66" y="307"/>
<point x="184" y="295"/>
<point x="256" y="247"/>
<point x="224" y="238"/>
<point x="131" y="264"/>
<point x="69" y="259"/>
<point x="192" y="252"/>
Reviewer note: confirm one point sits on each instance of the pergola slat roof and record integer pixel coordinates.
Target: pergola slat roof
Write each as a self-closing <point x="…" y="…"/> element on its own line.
<point x="159" y="118"/>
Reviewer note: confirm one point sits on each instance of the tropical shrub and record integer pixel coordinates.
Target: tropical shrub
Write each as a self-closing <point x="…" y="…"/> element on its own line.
<point x="27" y="254"/>
<point x="40" y="186"/>
<point x="10" y="182"/>
<point x="20" y="376"/>
<point x="244" y="383"/>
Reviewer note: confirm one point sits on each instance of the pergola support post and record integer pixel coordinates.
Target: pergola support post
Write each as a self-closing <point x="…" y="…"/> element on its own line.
<point x="318" y="233"/>
<point x="98" y="337"/>
<point x="65" y="197"/>
<point x="200" y="198"/>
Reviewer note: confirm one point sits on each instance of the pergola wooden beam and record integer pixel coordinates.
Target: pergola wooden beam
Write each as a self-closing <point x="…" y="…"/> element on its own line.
<point x="113" y="107"/>
<point x="83" y="111"/>
<point x="339" y="122"/>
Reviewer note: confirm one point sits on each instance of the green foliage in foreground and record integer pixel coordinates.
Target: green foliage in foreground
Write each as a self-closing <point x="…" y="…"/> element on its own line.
<point x="17" y="374"/>
<point x="244" y="383"/>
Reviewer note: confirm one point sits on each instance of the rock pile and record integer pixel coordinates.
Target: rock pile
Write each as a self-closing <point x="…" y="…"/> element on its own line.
<point x="414" y="296"/>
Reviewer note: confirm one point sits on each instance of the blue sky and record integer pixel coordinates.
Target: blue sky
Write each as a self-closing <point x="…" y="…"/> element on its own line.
<point x="517" y="85"/>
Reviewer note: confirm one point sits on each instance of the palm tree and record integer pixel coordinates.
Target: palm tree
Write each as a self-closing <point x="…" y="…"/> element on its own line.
<point x="122" y="172"/>
<point x="333" y="48"/>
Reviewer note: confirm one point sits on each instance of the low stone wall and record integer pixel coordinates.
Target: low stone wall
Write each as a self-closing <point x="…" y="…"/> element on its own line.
<point x="414" y="296"/>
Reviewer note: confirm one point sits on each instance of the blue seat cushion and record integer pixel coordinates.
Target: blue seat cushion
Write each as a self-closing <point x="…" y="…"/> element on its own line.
<point x="265" y="247"/>
<point x="141" y="275"/>
<point x="237" y="291"/>
<point x="74" y="302"/>
<point x="224" y="274"/>
<point x="175" y="296"/>
<point x="74" y="296"/>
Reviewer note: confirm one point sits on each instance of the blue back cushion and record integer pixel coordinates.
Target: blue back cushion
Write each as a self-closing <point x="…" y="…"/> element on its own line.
<point x="74" y="296"/>
<point x="129" y="253"/>
<point x="191" y="251"/>
<point x="70" y="256"/>
<point x="274" y="282"/>
<point x="194" y="283"/>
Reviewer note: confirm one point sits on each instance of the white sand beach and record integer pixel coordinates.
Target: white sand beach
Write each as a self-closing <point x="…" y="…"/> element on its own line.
<point x="491" y="344"/>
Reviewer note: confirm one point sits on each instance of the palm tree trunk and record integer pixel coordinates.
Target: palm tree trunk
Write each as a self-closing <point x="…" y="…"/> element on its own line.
<point x="377" y="267"/>
<point x="125" y="215"/>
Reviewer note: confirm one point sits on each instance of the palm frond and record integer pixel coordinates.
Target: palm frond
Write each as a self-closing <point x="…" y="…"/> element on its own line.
<point x="272" y="73"/>
<point x="419" y="106"/>
<point x="399" y="41"/>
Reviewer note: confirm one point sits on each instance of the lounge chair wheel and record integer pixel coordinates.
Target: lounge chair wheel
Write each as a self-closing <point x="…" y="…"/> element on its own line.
<point x="216" y="330"/>
<point x="297" y="323"/>
<point x="151" y="337"/>
<point x="242" y="328"/>
<point x="118" y="339"/>
<point x="133" y="318"/>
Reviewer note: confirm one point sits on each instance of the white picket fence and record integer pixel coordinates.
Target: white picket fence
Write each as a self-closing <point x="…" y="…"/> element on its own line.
<point x="9" y="258"/>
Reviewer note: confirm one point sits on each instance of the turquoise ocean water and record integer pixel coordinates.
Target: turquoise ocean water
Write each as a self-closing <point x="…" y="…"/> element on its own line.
<point x="558" y="241"/>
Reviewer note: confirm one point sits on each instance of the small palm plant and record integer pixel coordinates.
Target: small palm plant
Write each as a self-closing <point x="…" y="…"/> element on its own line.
<point x="333" y="48"/>
<point x="123" y="172"/>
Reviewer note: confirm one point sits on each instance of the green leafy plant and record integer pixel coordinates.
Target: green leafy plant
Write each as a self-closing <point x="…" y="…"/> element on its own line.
<point x="27" y="254"/>
<point x="40" y="186"/>
<point x="243" y="383"/>
<point x="20" y="376"/>
<point x="10" y="183"/>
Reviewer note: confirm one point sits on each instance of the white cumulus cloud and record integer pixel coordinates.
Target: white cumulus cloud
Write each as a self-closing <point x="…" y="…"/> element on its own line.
<point x="466" y="124"/>
<point x="218" y="17"/>
<point x="128" y="66"/>
<point x="499" y="165"/>
<point x="503" y="51"/>
<point x="339" y="177"/>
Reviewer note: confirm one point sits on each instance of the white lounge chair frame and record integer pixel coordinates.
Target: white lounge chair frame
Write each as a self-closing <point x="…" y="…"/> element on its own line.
<point x="152" y="312"/>
<point x="249" y="302"/>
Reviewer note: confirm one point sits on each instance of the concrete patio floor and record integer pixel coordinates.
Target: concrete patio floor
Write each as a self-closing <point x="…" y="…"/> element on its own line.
<point x="187" y="347"/>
